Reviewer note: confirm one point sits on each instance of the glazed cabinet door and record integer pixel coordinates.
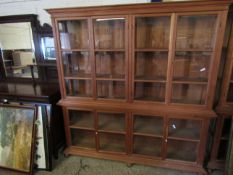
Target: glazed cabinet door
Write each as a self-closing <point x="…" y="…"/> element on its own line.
<point x="147" y="135"/>
<point x="112" y="132"/>
<point x="183" y="139"/>
<point x="193" y="57"/>
<point x="103" y="131"/>
<point x="81" y="124"/>
<point x="76" y="60"/>
<point x="111" y="55"/>
<point x="150" y="57"/>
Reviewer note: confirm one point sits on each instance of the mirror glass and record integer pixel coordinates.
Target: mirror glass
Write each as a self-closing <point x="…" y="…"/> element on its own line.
<point x="17" y="50"/>
<point x="48" y="48"/>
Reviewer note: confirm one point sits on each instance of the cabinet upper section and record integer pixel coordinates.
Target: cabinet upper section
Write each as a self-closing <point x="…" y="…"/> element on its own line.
<point x="166" y="53"/>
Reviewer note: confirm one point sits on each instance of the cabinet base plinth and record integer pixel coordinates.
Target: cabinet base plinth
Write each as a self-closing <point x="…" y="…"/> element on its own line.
<point x="133" y="159"/>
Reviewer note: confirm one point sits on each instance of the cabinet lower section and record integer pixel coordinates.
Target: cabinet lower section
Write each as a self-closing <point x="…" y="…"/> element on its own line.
<point x="167" y="140"/>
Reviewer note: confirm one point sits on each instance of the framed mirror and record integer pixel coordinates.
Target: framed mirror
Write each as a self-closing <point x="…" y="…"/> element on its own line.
<point x="18" y="46"/>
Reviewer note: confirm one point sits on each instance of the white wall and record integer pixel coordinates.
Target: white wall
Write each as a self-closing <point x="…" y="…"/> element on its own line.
<point x="16" y="7"/>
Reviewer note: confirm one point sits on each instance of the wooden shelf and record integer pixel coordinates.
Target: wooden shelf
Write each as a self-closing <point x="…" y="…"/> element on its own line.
<point x="77" y="78"/>
<point x="183" y="139"/>
<point x="147" y="135"/>
<point x="194" y="50"/>
<point x="75" y="50"/>
<point x="110" y="79"/>
<point x="151" y="50"/>
<point x="81" y="128"/>
<point x="111" y="122"/>
<point x="189" y="82"/>
<point x="109" y="50"/>
<point x="149" y="99"/>
<point x="150" y="81"/>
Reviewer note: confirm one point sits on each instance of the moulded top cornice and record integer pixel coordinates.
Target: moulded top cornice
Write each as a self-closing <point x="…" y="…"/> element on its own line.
<point x="181" y="6"/>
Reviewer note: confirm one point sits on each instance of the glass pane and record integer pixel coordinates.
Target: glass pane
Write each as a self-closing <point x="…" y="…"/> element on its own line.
<point x="189" y="93"/>
<point x="82" y="119"/>
<point x="151" y="65"/>
<point x="152" y="32"/>
<point x="148" y="125"/>
<point x="110" y="64"/>
<point x="182" y="128"/>
<point x="192" y="66"/>
<point x="182" y="150"/>
<point x="111" y="89"/>
<point x="226" y="128"/>
<point x="148" y="146"/>
<point x="76" y="64"/>
<point x="222" y="150"/>
<point x="74" y="34"/>
<point x="111" y="121"/>
<point x="80" y="88"/>
<point x="83" y="138"/>
<point x="112" y="142"/>
<point x="230" y="93"/>
<point x="147" y="91"/>
<point x="196" y="32"/>
<point x="109" y="33"/>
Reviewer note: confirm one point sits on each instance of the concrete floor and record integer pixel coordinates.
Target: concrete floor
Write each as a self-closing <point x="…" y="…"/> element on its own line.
<point x="75" y="165"/>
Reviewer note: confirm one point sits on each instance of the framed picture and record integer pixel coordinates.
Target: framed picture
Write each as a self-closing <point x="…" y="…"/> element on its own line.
<point x="17" y="131"/>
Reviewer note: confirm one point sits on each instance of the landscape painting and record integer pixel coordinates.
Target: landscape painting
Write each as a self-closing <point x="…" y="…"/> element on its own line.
<point x="16" y="137"/>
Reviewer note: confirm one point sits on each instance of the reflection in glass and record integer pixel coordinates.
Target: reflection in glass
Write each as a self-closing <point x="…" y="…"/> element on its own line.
<point x="112" y="142"/>
<point x="152" y="32"/>
<point x="196" y="32"/>
<point x="17" y="49"/>
<point x="74" y="34"/>
<point x="111" y="89"/>
<point x="182" y="150"/>
<point x="79" y="88"/>
<point x="76" y="64"/>
<point x="82" y="138"/>
<point x="192" y="66"/>
<point x="48" y="48"/>
<point x="147" y="91"/>
<point x="189" y="93"/>
<point x="147" y="146"/>
<point x="154" y="125"/>
<point x="183" y="128"/>
<point x="81" y="119"/>
<point x="151" y="65"/>
<point x="111" y="121"/>
<point x="110" y="65"/>
<point x="109" y="33"/>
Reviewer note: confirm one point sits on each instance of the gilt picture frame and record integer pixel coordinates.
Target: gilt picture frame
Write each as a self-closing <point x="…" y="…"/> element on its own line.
<point x="17" y="135"/>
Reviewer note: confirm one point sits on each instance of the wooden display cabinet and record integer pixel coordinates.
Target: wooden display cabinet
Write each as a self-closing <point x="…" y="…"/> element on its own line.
<point x="224" y="109"/>
<point x="138" y="81"/>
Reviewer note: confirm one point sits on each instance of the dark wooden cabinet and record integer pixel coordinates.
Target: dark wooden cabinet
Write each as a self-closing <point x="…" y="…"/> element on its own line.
<point x="138" y="81"/>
